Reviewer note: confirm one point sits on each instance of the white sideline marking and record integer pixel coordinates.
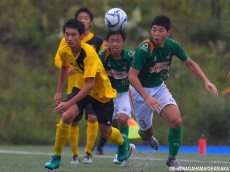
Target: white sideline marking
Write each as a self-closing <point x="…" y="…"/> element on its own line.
<point x="106" y="156"/>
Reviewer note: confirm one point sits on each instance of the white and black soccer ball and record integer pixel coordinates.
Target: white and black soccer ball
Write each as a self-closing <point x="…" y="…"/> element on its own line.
<point x="116" y="19"/>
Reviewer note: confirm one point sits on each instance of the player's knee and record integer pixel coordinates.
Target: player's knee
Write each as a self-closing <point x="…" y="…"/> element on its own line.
<point x="92" y="118"/>
<point x="74" y="123"/>
<point x="123" y="119"/>
<point x="67" y="119"/>
<point x="176" y="122"/>
<point x="105" y="131"/>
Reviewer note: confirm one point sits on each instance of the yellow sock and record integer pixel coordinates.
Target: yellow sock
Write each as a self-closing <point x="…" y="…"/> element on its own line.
<point x="116" y="137"/>
<point x="73" y="139"/>
<point x="61" y="137"/>
<point x="92" y="131"/>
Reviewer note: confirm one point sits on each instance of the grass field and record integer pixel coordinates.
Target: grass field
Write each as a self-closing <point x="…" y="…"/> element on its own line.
<point x="32" y="159"/>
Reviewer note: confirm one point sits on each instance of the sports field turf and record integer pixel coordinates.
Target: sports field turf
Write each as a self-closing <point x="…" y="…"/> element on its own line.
<point x="32" y="159"/>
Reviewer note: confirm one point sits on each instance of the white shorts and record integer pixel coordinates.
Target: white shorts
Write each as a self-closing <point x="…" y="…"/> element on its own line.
<point x="142" y="112"/>
<point x="121" y="105"/>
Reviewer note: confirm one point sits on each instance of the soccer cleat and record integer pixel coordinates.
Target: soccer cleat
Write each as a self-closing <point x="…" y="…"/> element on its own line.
<point x="54" y="163"/>
<point x="124" y="151"/>
<point x="115" y="161"/>
<point x="174" y="164"/>
<point x="153" y="143"/>
<point x="75" y="160"/>
<point x="87" y="158"/>
<point x="132" y="148"/>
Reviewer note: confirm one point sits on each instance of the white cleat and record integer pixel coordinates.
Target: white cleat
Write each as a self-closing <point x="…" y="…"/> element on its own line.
<point x="115" y="161"/>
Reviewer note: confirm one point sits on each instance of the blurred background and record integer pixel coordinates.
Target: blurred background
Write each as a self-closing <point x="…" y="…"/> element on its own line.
<point x="30" y="32"/>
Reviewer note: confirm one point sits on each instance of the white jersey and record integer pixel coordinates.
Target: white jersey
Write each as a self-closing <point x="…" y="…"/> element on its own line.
<point x="142" y="112"/>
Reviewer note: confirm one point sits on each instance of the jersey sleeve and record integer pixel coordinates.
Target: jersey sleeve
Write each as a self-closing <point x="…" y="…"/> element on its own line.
<point x="141" y="55"/>
<point x="131" y="55"/>
<point x="65" y="55"/>
<point x="180" y="53"/>
<point x="57" y="59"/>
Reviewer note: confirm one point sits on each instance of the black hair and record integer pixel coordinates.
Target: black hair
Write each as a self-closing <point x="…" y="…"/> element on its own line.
<point x="120" y="32"/>
<point x="72" y="23"/>
<point x="84" y="9"/>
<point x="162" y="20"/>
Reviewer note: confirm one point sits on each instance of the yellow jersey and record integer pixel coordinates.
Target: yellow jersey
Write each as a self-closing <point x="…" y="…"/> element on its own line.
<point x="88" y="64"/>
<point x="91" y="39"/>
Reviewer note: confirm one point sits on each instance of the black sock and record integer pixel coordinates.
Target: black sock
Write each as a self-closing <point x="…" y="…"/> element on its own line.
<point x="101" y="143"/>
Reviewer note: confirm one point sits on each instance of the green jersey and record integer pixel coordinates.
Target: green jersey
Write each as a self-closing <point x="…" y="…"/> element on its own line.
<point x="154" y="63"/>
<point x="117" y="69"/>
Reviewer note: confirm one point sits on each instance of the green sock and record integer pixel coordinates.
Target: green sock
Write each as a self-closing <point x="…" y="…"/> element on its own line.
<point x="141" y="135"/>
<point x="124" y="129"/>
<point x="174" y="140"/>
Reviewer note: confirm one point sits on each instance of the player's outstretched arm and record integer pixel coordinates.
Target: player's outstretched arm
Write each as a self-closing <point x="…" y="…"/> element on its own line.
<point x="194" y="67"/>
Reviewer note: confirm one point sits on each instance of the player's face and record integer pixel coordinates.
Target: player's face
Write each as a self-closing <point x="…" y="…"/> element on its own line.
<point x="159" y="35"/>
<point x="116" y="43"/>
<point x="85" y="19"/>
<point x="72" y="37"/>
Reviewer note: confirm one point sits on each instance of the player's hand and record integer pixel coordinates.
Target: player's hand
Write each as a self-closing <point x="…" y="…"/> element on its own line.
<point x="212" y="89"/>
<point x="57" y="98"/>
<point x="71" y="71"/>
<point x="61" y="107"/>
<point x="153" y="103"/>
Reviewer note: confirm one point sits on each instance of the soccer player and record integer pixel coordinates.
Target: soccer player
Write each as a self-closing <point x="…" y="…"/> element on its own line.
<point x="117" y="61"/>
<point x="86" y="17"/>
<point x="147" y="74"/>
<point x="92" y="86"/>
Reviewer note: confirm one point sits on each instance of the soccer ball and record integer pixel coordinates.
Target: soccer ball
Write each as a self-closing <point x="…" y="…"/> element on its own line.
<point x="116" y="19"/>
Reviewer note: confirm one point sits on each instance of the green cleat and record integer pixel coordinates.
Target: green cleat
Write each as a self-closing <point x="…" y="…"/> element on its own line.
<point x="54" y="163"/>
<point x="124" y="152"/>
<point x="123" y="149"/>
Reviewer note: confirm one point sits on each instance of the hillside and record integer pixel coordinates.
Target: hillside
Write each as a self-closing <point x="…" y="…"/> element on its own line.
<point x="30" y="34"/>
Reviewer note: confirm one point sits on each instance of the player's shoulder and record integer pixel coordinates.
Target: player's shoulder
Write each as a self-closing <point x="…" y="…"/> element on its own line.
<point x="170" y="41"/>
<point x="173" y="45"/>
<point x="103" y="52"/>
<point x="64" y="48"/>
<point x="145" y="45"/>
<point x="128" y="53"/>
<point x="86" y="46"/>
<point x="96" y="37"/>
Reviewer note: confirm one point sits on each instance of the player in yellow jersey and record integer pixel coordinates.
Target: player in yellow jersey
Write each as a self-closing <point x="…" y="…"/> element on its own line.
<point x="86" y="17"/>
<point x="92" y="86"/>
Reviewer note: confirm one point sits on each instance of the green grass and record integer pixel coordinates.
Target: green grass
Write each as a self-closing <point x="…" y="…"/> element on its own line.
<point x="32" y="159"/>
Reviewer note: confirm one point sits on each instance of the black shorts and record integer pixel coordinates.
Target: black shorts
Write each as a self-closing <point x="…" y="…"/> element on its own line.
<point x="88" y="110"/>
<point x="103" y="111"/>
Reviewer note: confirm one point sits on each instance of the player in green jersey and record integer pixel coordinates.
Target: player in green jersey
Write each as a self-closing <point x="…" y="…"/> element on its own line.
<point x="147" y="74"/>
<point x="117" y="61"/>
